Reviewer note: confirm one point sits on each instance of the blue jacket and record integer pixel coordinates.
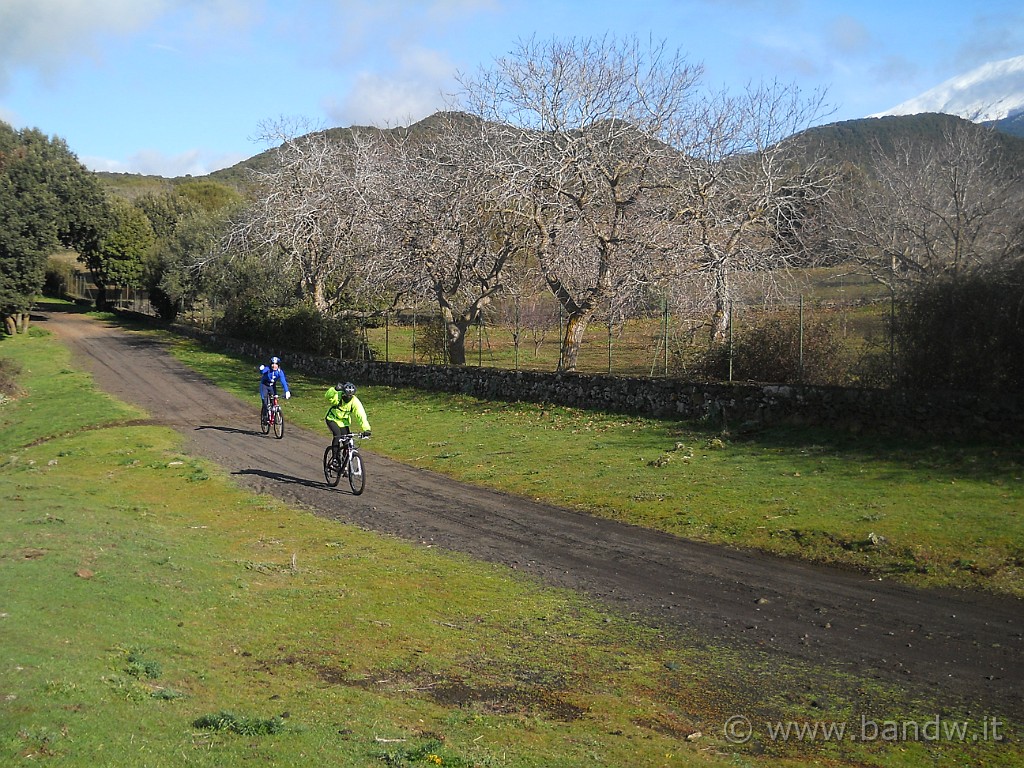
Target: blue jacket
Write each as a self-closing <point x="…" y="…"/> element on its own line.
<point x="269" y="377"/>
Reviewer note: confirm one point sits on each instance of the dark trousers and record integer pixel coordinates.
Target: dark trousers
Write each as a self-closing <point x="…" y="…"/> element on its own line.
<point x="337" y="430"/>
<point x="265" y="393"/>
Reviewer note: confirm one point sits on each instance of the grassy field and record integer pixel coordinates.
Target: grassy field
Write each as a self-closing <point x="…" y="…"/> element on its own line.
<point x="153" y="614"/>
<point x="854" y="305"/>
<point x="926" y="512"/>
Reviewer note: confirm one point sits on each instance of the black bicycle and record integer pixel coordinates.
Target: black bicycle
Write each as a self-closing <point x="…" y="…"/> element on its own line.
<point x="349" y="464"/>
<point x="271" y="417"/>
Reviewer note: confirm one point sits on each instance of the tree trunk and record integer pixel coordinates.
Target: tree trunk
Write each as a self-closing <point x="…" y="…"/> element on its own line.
<point x="456" y="344"/>
<point x="10" y="327"/>
<point x="455" y="336"/>
<point x="722" y="317"/>
<point x="575" y="327"/>
<point x="720" y="321"/>
<point x="102" y="300"/>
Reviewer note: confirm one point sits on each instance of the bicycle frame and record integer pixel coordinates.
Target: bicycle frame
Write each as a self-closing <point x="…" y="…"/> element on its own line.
<point x="271" y="417"/>
<point x="349" y="463"/>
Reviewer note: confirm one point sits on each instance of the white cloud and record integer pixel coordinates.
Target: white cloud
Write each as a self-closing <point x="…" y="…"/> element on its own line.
<point x="384" y="102"/>
<point x="849" y="35"/>
<point x="193" y="162"/>
<point x="46" y="36"/>
<point x="414" y="90"/>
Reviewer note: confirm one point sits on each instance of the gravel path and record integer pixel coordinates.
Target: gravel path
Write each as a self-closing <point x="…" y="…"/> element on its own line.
<point x="954" y="645"/>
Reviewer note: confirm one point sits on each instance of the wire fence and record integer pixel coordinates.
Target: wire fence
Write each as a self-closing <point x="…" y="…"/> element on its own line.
<point x="797" y="341"/>
<point x="811" y="342"/>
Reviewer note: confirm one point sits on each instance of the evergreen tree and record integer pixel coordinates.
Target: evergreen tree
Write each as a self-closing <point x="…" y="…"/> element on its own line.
<point x="48" y="200"/>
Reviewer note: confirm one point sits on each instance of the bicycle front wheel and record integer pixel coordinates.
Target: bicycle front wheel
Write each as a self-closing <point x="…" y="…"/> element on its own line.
<point x="264" y="421"/>
<point x="278" y="423"/>
<point x="356" y="476"/>
<point x="332" y="470"/>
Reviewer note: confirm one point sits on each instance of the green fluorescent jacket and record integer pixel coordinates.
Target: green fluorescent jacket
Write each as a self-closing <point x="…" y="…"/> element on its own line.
<point x="350" y="414"/>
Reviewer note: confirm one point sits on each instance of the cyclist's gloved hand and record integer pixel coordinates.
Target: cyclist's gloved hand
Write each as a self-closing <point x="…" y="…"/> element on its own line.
<point x="263" y="368"/>
<point x="287" y="395"/>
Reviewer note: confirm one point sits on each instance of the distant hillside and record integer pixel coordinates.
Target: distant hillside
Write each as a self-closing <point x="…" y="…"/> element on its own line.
<point x="1011" y="125"/>
<point x="852" y="141"/>
<point x="237" y="175"/>
<point x="133" y="185"/>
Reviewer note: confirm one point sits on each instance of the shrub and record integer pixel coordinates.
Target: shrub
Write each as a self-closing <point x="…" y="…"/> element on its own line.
<point x="242" y="725"/>
<point x="769" y="350"/>
<point x="964" y="333"/>
<point x="9" y="372"/>
<point x="60" y="276"/>
<point x="432" y="342"/>
<point x="297" y="328"/>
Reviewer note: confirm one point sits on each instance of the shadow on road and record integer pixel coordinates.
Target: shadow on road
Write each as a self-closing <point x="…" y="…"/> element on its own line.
<point x="233" y="430"/>
<point x="286" y="479"/>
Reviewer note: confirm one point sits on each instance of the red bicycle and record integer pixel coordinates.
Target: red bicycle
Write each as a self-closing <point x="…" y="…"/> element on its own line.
<point x="271" y="417"/>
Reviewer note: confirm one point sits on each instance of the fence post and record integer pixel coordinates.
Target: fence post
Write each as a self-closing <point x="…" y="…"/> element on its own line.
<point x="518" y="330"/>
<point x="732" y="318"/>
<point x="609" y="342"/>
<point x="664" y="331"/>
<point x="801" y="338"/>
<point x="387" y="336"/>
<point x="892" y="335"/>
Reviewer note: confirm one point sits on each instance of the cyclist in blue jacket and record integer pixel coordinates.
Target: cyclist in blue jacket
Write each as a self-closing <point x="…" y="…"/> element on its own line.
<point x="270" y="375"/>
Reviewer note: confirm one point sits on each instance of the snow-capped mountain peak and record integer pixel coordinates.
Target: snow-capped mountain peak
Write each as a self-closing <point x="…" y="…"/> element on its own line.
<point x="993" y="91"/>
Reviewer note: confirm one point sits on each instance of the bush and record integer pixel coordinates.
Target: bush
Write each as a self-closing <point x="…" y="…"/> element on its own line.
<point x="298" y="328"/>
<point x="769" y="349"/>
<point x="240" y="724"/>
<point x="59" y="278"/>
<point x="964" y="333"/>
<point x="432" y="342"/>
<point x="9" y="372"/>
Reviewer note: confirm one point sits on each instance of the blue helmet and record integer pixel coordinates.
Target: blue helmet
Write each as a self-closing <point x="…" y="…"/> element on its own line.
<point x="275" y="361"/>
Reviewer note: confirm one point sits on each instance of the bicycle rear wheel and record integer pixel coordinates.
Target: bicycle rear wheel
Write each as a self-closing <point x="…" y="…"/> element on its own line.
<point x="332" y="471"/>
<point x="278" y="423"/>
<point x="356" y="476"/>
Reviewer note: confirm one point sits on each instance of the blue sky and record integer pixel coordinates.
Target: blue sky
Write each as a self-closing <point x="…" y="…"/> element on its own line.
<point x="175" y="87"/>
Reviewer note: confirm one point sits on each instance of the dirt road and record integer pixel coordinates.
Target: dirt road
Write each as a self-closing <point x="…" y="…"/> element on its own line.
<point x="954" y="645"/>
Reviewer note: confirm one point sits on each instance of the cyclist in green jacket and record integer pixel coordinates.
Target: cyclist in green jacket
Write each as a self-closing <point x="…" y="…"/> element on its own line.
<point x="345" y="412"/>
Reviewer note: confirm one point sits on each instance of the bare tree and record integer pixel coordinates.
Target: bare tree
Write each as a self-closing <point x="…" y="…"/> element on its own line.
<point x="309" y="213"/>
<point x="577" y="129"/>
<point x="444" y="241"/>
<point x="923" y="210"/>
<point x="747" y="201"/>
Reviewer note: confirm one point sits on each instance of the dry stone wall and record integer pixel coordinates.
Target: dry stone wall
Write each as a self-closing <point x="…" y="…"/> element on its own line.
<point x="736" y="406"/>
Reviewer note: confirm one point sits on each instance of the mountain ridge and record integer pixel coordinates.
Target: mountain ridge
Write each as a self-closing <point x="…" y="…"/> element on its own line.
<point x="991" y="94"/>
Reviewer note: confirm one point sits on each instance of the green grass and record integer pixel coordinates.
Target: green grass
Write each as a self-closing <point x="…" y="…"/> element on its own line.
<point x="925" y="512"/>
<point x="154" y="614"/>
<point x="857" y="306"/>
